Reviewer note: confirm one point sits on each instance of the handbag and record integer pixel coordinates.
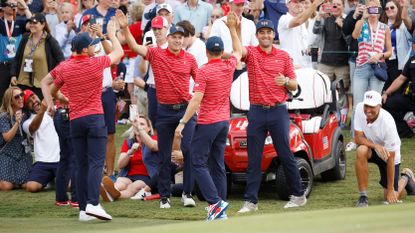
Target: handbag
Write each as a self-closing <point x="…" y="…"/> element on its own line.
<point x="379" y="69"/>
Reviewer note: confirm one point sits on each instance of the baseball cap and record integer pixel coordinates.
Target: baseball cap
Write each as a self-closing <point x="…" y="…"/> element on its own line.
<point x="27" y="94"/>
<point x="214" y="44"/>
<point x="83" y="40"/>
<point x="159" y="22"/>
<point x="85" y="19"/>
<point x="176" y="29"/>
<point x="37" y="18"/>
<point x="237" y="1"/>
<point x="265" y="23"/>
<point x="372" y="98"/>
<point x="165" y="6"/>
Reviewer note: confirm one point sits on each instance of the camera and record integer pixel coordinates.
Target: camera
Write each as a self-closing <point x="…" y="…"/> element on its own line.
<point x="314" y="54"/>
<point x="373" y="10"/>
<point x="27" y="146"/>
<point x="64" y="114"/>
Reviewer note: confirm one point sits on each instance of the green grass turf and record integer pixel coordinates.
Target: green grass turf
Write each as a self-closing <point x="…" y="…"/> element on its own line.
<point x="37" y="210"/>
<point x="377" y="219"/>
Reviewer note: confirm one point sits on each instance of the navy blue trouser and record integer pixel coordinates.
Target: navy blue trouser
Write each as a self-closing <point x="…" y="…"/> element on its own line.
<point x="167" y="121"/>
<point x="89" y="141"/>
<point x="207" y="151"/>
<point x="152" y="105"/>
<point x="276" y="121"/>
<point x="67" y="162"/>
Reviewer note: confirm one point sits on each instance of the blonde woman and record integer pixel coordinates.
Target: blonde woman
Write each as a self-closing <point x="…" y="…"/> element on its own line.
<point x="15" y="157"/>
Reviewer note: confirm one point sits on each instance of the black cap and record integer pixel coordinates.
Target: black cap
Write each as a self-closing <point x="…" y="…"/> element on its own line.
<point x="37" y="17"/>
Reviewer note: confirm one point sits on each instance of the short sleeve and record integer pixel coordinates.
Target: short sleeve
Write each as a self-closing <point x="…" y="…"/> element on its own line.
<point x="200" y="82"/>
<point x="103" y="61"/>
<point x="289" y="67"/>
<point x="283" y="23"/>
<point x="359" y="118"/>
<point x="124" y="147"/>
<point x="232" y="62"/>
<point x="405" y="71"/>
<point x="57" y="77"/>
<point x="150" y="54"/>
<point x="26" y="124"/>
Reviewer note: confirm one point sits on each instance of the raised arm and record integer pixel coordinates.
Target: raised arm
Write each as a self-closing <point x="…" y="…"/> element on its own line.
<point x="117" y="51"/>
<point x="123" y="22"/>
<point x="37" y="121"/>
<point x="232" y="22"/>
<point x="301" y="18"/>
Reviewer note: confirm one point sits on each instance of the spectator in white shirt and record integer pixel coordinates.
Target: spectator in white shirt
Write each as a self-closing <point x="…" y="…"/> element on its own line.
<point x="293" y="33"/>
<point x="65" y="30"/>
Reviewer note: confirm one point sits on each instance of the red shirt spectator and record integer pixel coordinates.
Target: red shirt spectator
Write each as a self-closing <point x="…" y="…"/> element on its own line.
<point x="137" y="33"/>
<point x="171" y="72"/>
<point x="215" y="80"/>
<point x="262" y="70"/>
<point x="81" y="84"/>
<point x="137" y="166"/>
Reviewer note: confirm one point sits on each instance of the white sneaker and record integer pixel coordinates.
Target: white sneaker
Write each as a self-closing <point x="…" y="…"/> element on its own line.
<point x="83" y="217"/>
<point x="296" y="201"/>
<point x="351" y="146"/>
<point x="165" y="203"/>
<point x="248" y="207"/>
<point x="188" y="201"/>
<point x="97" y="211"/>
<point x="140" y="195"/>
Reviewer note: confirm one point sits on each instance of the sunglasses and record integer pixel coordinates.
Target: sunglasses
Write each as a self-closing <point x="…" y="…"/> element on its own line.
<point x="389" y="8"/>
<point x="11" y="5"/>
<point x="215" y="16"/>
<point x="18" y="96"/>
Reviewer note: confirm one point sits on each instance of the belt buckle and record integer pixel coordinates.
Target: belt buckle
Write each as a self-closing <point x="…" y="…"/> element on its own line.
<point x="176" y="106"/>
<point x="267" y="107"/>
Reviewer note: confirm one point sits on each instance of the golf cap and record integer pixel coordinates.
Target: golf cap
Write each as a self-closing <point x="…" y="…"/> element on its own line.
<point x="372" y="98"/>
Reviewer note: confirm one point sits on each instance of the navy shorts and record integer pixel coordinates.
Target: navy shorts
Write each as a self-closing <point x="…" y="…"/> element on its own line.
<point x="383" y="171"/>
<point x="43" y="173"/>
<point x="109" y="101"/>
<point x="145" y="179"/>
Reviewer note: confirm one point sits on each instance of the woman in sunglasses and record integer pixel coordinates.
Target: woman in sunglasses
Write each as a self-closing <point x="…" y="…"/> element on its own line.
<point x="396" y="16"/>
<point x="37" y="54"/>
<point x="15" y="156"/>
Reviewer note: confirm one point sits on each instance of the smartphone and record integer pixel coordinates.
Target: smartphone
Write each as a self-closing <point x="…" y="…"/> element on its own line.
<point x="149" y="40"/>
<point x="92" y="20"/>
<point x="328" y="8"/>
<point x="362" y="2"/>
<point x="373" y="10"/>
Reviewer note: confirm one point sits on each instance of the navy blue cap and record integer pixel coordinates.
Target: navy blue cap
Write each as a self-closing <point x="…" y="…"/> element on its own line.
<point x="176" y="29"/>
<point x="83" y="40"/>
<point x="214" y="44"/>
<point x="265" y="23"/>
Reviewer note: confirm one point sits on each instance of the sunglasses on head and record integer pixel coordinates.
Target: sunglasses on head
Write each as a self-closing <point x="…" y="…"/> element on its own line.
<point x="21" y="95"/>
<point x="389" y="8"/>
<point x="11" y="5"/>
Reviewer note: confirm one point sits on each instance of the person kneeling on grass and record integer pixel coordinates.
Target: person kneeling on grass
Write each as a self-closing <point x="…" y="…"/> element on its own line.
<point x="378" y="142"/>
<point x="46" y="143"/>
<point x="133" y="176"/>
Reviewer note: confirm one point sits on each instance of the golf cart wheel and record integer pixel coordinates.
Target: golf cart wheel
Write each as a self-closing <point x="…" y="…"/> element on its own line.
<point x="306" y="176"/>
<point x="338" y="172"/>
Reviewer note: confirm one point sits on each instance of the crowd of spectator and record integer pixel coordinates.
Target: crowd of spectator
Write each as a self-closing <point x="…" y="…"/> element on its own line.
<point x="48" y="48"/>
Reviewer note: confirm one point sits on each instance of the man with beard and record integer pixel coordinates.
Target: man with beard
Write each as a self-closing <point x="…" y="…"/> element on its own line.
<point x="46" y="142"/>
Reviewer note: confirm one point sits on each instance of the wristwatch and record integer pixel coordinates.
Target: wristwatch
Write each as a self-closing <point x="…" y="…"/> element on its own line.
<point x="286" y="81"/>
<point x="182" y="122"/>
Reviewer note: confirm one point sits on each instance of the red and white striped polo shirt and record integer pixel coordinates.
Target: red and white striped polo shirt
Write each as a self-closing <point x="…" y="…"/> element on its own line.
<point x="378" y="36"/>
<point x="215" y="80"/>
<point x="172" y="74"/>
<point x="262" y="70"/>
<point x="82" y="76"/>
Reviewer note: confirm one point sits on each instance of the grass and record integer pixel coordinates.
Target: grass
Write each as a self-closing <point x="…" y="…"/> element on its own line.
<point x="37" y="209"/>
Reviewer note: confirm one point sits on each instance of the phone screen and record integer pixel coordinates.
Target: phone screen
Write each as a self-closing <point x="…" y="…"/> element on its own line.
<point x="149" y="40"/>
